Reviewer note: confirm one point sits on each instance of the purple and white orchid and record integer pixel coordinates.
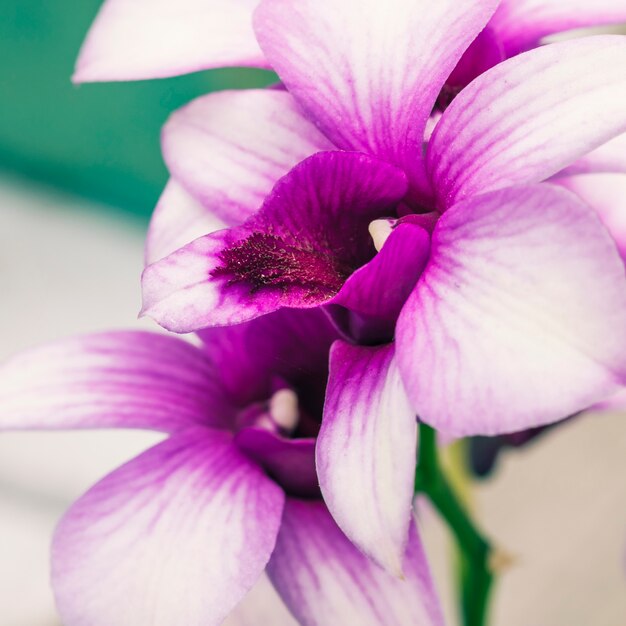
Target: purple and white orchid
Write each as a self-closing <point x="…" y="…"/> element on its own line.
<point x="310" y="242"/>
<point x="186" y="529"/>
<point x="410" y="225"/>
<point x="497" y="299"/>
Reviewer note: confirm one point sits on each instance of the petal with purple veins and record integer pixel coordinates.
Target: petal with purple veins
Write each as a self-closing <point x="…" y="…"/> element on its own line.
<point x="366" y="452"/>
<point x="529" y="117"/>
<point x="184" y="530"/>
<point x="324" y="579"/>
<point x="112" y="380"/>
<point x="367" y="72"/>
<point x="519" y="319"/>
<point x="228" y="149"/>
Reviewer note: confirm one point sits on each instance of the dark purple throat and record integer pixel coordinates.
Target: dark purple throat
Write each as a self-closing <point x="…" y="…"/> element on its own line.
<point x="266" y="260"/>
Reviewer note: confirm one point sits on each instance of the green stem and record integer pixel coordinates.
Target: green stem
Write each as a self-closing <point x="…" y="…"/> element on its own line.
<point x="474" y="549"/>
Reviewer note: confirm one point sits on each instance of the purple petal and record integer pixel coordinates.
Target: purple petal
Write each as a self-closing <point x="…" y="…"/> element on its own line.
<point x="529" y="117"/>
<point x="521" y="24"/>
<point x="177" y="219"/>
<point x="519" y="319"/>
<point x="111" y="380"/>
<point x="291" y="462"/>
<point x="290" y="344"/>
<point x="228" y="149"/>
<point x="380" y="288"/>
<point x="367" y="72"/>
<point x="292" y="253"/>
<point x="262" y="605"/>
<point x="366" y="452"/>
<point x="606" y="194"/>
<point x="178" y="535"/>
<point x="158" y="38"/>
<point x="325" y="580"/>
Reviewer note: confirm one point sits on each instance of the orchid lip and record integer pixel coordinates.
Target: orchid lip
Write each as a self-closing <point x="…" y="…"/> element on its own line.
<point x="264" y="259"/>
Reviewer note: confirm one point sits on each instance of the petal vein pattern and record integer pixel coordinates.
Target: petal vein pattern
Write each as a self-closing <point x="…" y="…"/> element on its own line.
<point x="529" y="117"/>
<point x="519" y="318"/>
<point x="324" y="579"/>
<point x="184" y="530"/>
<point x="366" y="451"/>
<point x="228" y="149"/>
<point x="118" y="379"/>
<point x="377" y="68"/>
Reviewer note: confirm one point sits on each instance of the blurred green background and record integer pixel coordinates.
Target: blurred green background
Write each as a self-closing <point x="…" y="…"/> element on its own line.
<point x="98" y="140"/>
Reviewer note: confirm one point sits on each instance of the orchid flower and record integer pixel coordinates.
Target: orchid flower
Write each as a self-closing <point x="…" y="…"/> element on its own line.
<point x="166" y="38"/>
<point x="181" y="533"/>
<point x="309" y="244"/>
<point x="497" y="302"/>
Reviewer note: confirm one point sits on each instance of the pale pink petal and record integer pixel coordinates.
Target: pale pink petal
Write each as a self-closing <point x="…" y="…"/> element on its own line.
<point x="135" y="39"/>
<point x="609" y="157"/>
<point x="529" y="117"/>
<point x="614" y="402"/>
<point x="178" y="535"/>
<point x="228" y="149"/>
<point x="606" y="193"/>
<point x="519" y="319"/>
<point x="177" y="220"/>
<point x="366" y="452"/>
<point x="262" y="606"/>
<point x="521" y="24"/>
<point x="325" y="580"/>
<point x="111" y="380"/>
<point x="369" y="72"/>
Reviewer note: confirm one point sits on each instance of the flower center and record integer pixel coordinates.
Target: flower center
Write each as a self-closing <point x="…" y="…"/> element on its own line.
<point x="380" y="230"/>
<point x="284" y="411"/>
<point x="267" y="260"/>
<point x="280" y="414"/>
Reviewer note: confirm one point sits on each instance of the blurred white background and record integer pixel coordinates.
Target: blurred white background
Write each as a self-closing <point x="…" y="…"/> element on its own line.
<point x="558" y="506"/>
